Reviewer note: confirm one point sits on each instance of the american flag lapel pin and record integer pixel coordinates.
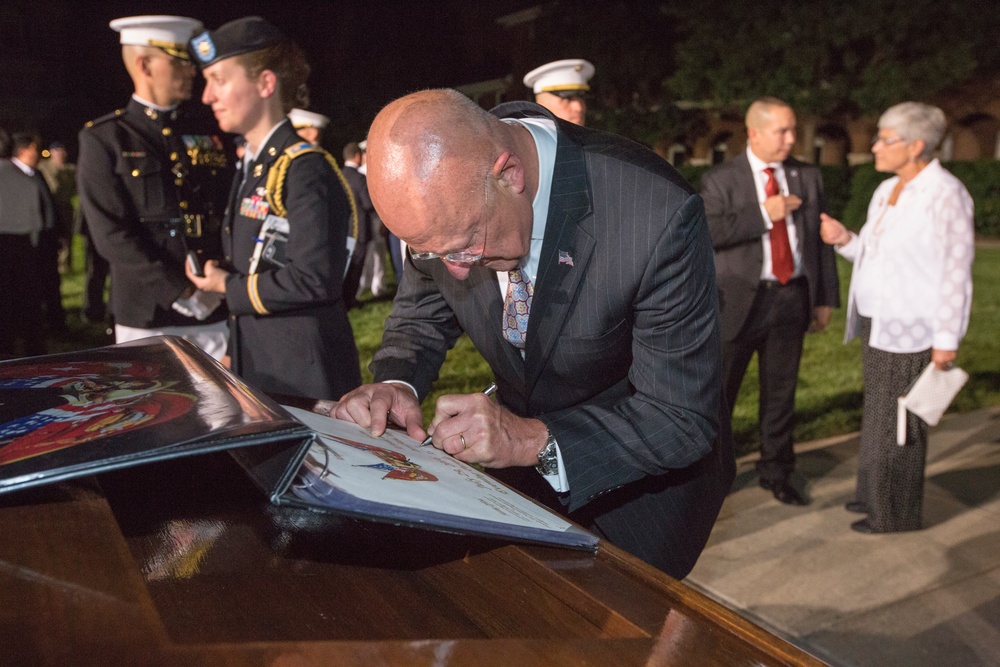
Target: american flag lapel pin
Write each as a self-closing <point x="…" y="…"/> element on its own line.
<point x="565" y="258"/>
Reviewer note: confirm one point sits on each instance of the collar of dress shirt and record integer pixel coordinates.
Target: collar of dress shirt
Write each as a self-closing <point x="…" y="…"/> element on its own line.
<point x="23" y="167"/>
<point x="758" y="165"/>
<point x="147" y="103"/>
<point x="543" y="132"/>
<point x="250" y="159"/>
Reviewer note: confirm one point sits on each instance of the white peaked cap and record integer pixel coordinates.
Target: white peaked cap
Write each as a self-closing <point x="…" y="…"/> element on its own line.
<point x="572" y="74"/>
<point x="170" y="33"/>
<point x="301" y="118"/>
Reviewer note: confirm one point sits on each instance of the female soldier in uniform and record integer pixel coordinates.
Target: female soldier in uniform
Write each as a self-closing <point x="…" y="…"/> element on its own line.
<point x="286" y="225"/>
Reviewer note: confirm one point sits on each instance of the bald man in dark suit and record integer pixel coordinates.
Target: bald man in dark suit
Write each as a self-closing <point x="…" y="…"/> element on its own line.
<point x="777" y="279"/>
<point x="609" y="380"/>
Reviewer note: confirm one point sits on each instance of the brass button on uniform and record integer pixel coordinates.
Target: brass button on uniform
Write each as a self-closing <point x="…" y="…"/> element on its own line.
<point x="272" y="151"/>
<point x="183" y="205"/>
<point x="167" y="131"/>
<point x="173" y="156"/>
<point x="135" y="172"/>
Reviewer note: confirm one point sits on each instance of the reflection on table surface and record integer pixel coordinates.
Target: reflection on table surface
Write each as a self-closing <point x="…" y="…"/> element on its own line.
<point x="185" y="562"/>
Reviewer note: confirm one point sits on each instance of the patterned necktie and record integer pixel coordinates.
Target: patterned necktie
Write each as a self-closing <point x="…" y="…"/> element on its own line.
<point x="782" y="264"/>
<point x="516" y="307"/>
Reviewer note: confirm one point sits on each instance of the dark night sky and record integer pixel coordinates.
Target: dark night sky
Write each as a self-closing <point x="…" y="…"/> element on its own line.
<point x="60" y="63"/>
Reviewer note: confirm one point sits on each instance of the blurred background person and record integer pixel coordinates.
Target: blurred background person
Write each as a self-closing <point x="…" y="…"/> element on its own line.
<point x="379" y="241"/>
<point x="909" y="303"/>
<point x="26" y="219"/>
<point x="309" y="125"/>
<point x="359" y="188"/>
<point x="396" y="245"/>
<point x="560" y="87"/>
<point x="60" y="175"/>
<point x="777" y="279"/>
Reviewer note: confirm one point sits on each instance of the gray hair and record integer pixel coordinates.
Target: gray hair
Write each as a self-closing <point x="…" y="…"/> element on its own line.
<point x="916" y="120"/>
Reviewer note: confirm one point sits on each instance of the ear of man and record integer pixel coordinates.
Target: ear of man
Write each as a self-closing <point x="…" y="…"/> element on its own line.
<point x="509" y="172"/>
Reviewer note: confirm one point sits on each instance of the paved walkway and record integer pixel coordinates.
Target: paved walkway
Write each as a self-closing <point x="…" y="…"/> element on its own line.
<point x="930" y="597"/>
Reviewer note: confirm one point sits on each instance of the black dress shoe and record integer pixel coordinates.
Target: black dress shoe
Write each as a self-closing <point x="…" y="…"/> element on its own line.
<point x="856" y="506"/>
<point x="862" y="526"/>
<point x="783" y="491"/>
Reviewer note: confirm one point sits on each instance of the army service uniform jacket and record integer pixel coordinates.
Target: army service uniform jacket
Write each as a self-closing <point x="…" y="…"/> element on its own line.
<point x="288" y="326"/>
<point x="152" y="186"/>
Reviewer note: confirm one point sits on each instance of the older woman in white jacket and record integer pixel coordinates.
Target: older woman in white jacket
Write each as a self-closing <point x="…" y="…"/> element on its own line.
<point x="909" y="302"/>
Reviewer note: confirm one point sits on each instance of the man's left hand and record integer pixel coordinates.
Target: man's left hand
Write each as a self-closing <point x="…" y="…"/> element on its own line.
<point x="474" y="429"/>
<point x="821" y="318"/>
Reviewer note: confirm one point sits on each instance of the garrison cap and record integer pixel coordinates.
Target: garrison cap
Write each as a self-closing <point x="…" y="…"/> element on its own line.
<point x="168" y="33"/>
<point x="301" y="118"/>
<point x="245" y="35"/>
<point x="560" y="76"/>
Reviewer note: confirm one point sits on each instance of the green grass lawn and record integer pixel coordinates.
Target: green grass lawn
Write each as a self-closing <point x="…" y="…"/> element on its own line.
<point x="829" y="393"/>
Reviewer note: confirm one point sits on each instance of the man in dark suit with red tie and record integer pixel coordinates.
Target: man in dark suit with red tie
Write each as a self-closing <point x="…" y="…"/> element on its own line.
<point x="607" y="366"/>
<point x="777" y="279"/>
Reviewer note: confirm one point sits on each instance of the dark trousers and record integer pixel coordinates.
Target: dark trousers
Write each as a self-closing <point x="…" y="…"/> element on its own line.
<point x="47" y="271"/>
<point x="774" y="329"/>
<point x="890" y="477"/>
<point x="20" y="297"/>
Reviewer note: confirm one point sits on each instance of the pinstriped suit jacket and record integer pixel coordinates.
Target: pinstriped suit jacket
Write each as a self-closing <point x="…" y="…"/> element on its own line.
<point x="623" y="350"/>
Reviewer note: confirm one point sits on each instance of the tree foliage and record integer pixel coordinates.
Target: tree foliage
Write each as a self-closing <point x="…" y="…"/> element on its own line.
<point x="824" y="56"/>
<point x="630" y="43"/>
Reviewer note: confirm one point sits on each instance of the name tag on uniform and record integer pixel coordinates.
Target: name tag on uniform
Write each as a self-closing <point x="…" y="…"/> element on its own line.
<point x="254" y="207"/>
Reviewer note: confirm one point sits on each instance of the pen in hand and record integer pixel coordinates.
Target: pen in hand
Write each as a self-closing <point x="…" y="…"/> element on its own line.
<point x="489" y="391"/>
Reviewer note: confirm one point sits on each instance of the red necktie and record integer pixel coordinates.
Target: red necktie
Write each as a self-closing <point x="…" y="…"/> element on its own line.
<point x="782" y="264"/>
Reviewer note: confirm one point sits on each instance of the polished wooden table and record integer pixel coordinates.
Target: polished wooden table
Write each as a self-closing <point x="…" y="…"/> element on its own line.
<point x="185" y="563"/>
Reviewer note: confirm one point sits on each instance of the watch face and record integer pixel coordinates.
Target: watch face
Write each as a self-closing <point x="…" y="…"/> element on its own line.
<point x="548" y="461"/>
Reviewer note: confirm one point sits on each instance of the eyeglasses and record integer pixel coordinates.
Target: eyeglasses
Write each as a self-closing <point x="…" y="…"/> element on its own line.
<point x="460" y="257"/>
<point x="887" y="142"/>
<point x="570" y="95"/>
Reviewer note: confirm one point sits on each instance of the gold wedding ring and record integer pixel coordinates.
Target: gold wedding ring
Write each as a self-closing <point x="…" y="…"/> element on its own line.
<point x="464" y="444"/>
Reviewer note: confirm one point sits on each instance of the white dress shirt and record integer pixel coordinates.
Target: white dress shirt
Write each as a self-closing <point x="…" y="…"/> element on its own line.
<point x="913" y="264"/>
<point x="543" y="131"/>
<point x="757" y="166"/>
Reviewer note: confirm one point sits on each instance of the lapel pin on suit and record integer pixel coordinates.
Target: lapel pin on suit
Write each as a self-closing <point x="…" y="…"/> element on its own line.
<point x="565" y="258"/>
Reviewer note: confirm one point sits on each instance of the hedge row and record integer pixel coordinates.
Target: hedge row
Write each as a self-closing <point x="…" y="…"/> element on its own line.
<point x="850" y="189"/>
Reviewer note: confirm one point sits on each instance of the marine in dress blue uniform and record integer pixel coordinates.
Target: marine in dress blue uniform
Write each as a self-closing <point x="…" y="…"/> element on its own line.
<point x="153" y="184"/>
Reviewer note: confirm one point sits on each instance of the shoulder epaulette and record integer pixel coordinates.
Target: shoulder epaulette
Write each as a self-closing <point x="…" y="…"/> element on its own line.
<point x="106" y="117"/>
<point x="276" y="181"/>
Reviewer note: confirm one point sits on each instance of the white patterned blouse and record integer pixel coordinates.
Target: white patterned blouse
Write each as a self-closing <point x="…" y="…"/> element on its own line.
<point x="913" y="264"/>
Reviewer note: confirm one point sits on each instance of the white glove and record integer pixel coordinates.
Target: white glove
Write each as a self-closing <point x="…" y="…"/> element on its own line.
<point x="199" y="305"/>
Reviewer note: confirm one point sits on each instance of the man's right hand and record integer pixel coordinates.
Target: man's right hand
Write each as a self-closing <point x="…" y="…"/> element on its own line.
<point x="371" y="406"/>
<point x="779" y="207"/>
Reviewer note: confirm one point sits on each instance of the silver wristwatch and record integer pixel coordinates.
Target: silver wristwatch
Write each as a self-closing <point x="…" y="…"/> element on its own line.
<point x="548" y="460"/>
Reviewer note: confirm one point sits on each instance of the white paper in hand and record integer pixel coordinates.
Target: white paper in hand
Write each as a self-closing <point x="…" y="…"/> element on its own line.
<point x="929" y="396"/>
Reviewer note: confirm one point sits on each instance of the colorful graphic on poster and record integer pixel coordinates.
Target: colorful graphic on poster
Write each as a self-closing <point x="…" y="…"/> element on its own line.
<point x="47" y="407"/>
